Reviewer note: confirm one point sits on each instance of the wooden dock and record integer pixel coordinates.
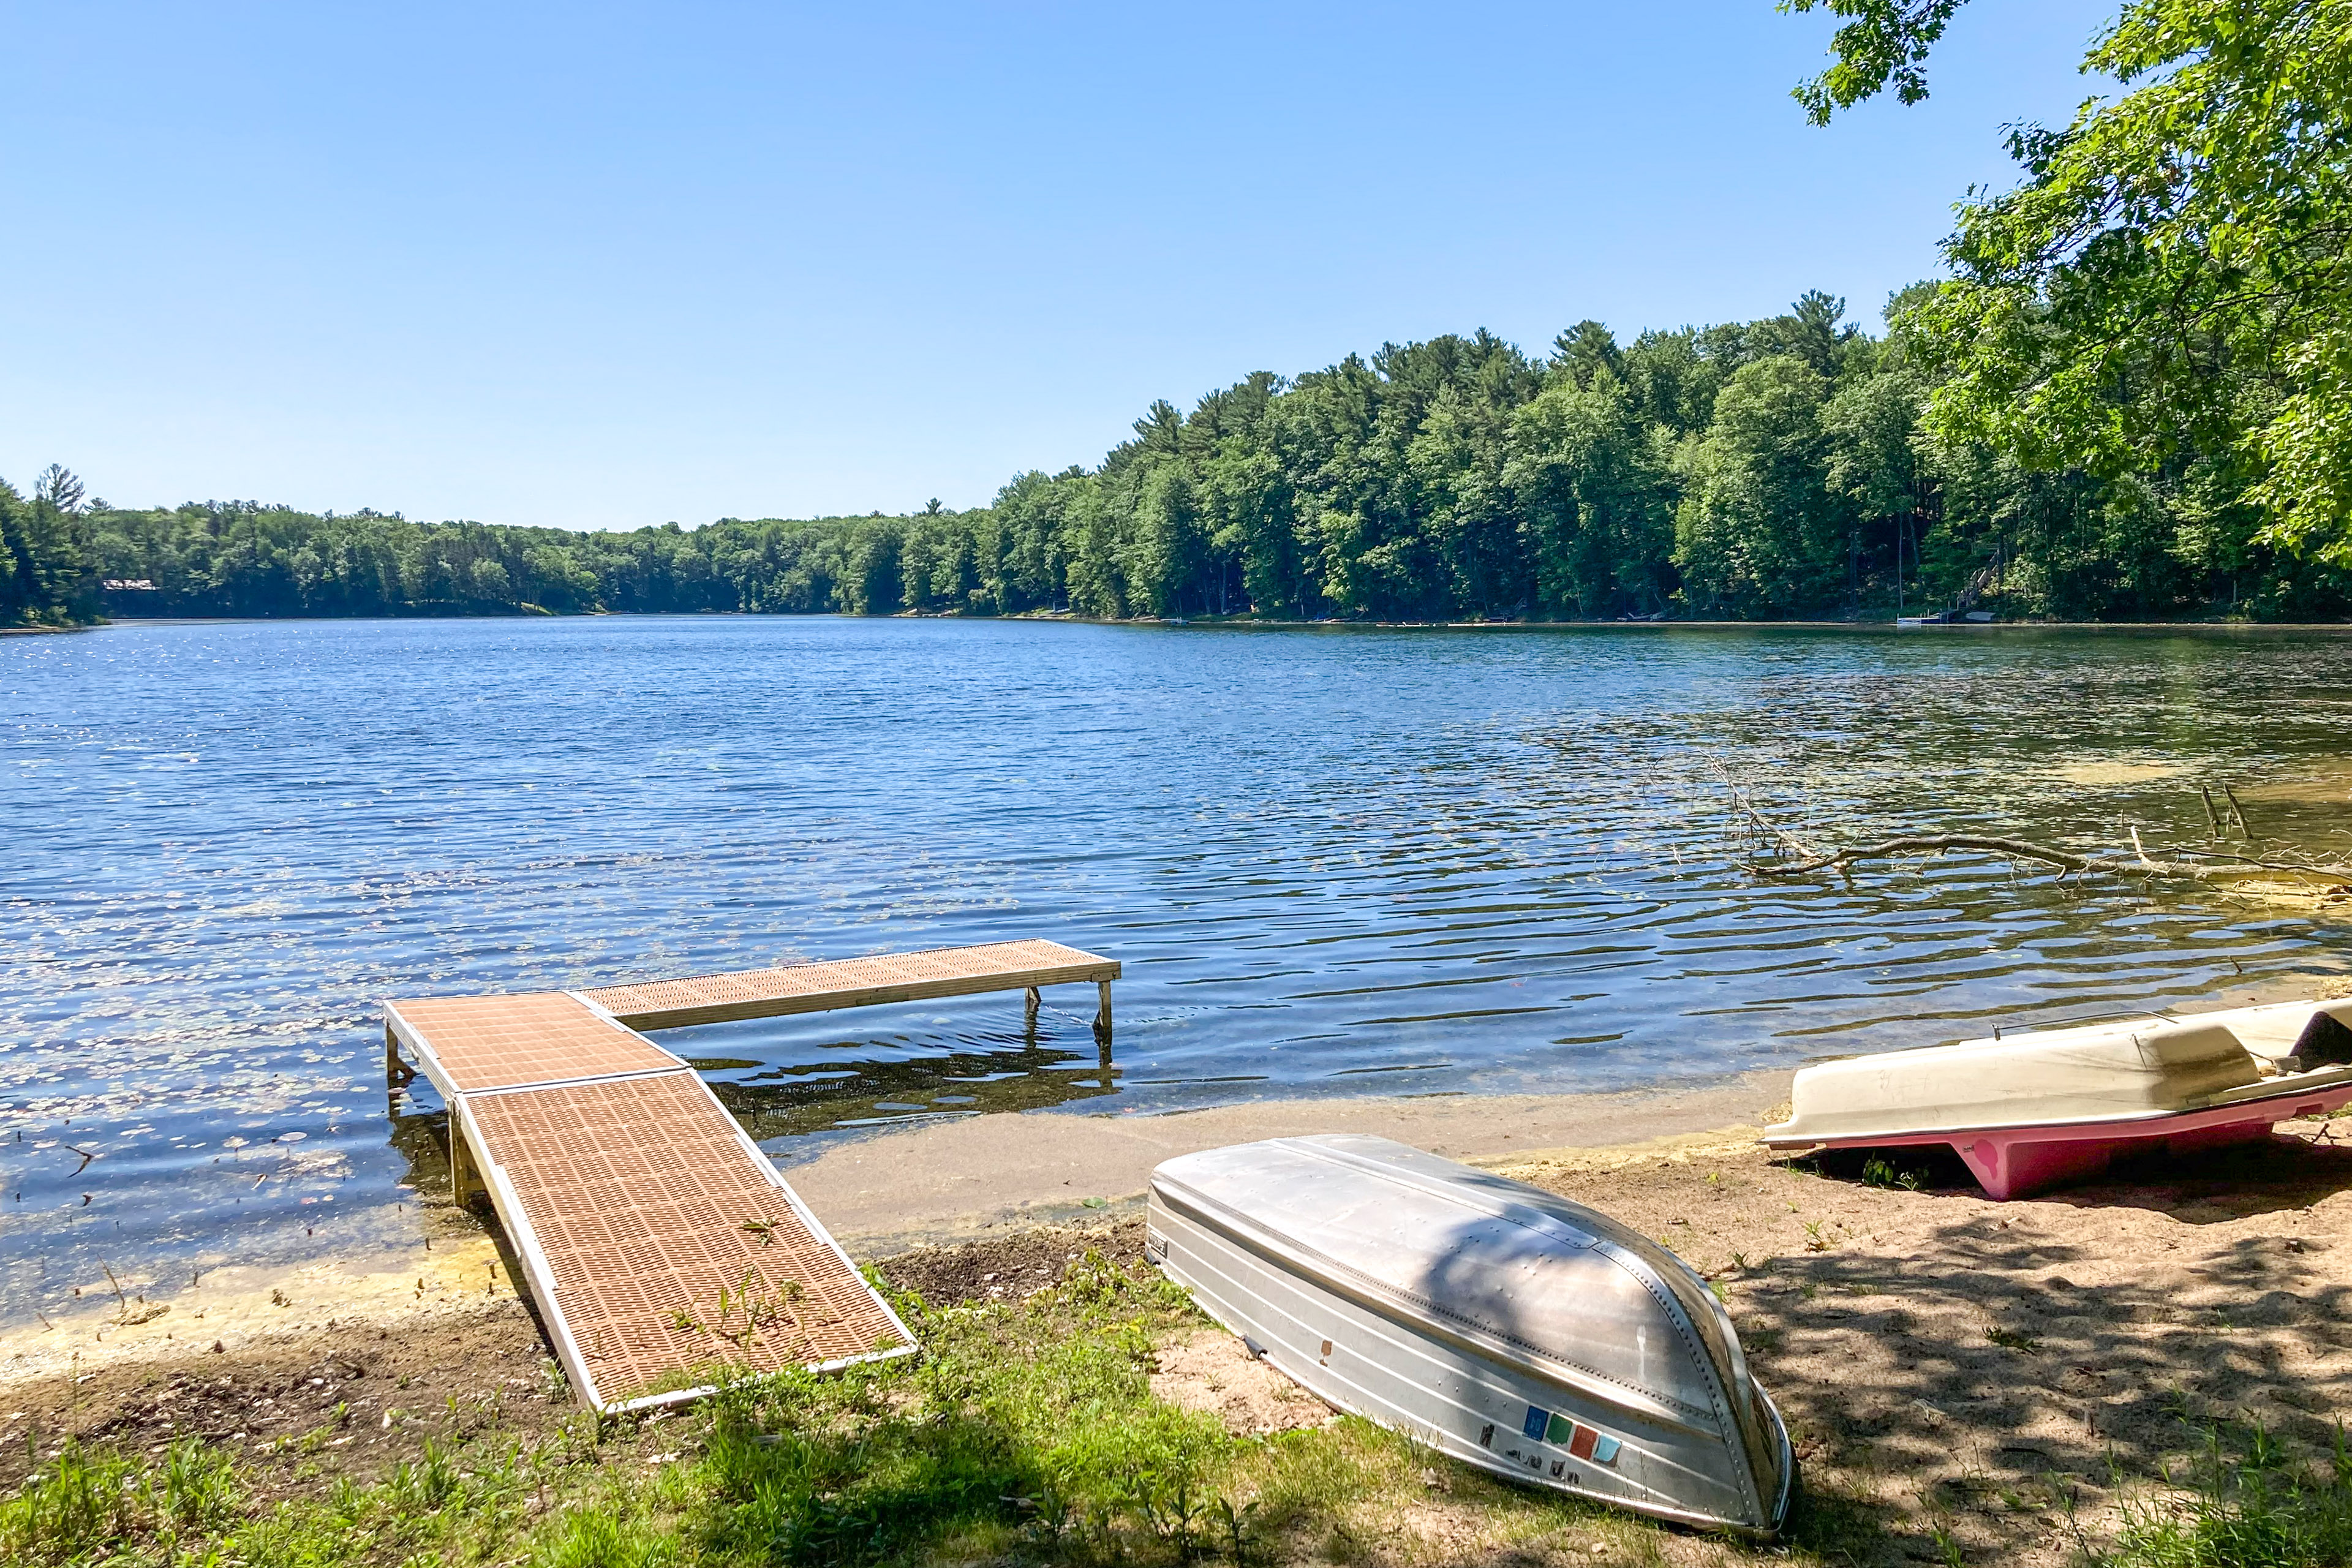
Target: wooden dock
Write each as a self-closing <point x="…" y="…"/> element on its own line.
<point x="657" y="1239"/>
<point x="856" y="982"/>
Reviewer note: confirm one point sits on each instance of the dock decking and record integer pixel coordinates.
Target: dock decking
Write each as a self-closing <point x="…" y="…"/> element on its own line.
<point x="855" y="983"/>
<point x="656" y="1238"/>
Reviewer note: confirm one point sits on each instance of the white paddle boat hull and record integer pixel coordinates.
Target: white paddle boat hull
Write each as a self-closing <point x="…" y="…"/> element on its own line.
<point x="2028" y="1111"/>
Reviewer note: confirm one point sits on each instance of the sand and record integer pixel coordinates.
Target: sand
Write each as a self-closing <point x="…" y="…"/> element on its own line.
<point x="986" y="1175"/>
<point x="373" y="1390"/>
<point x="939" y="1183"/>
<point x="450" y="1276"/>
<point x="1945" y="1361"/>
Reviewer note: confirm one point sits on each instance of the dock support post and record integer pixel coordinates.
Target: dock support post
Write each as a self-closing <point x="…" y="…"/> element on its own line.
<point x="464" y="1180"/>
<point x="397" y="1074"/>
<point x="1029" y="1009"/>
<point x="1102" y="1032"/>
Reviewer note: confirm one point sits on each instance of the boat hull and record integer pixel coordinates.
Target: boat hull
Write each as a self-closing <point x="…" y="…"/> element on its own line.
<point x="2032" y="1109"/>
<point x="1350" y="1346"/>
<point x="2019" y="1161"/>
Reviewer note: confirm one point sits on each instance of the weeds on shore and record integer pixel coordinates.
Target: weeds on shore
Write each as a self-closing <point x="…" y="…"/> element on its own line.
<point x="81" y="1503"/>
<point x="1026" y="1432"/>
<point x="192" y="1509"/>
<point x="2245" y="1504"/>
<point x="1879" y="1172"/>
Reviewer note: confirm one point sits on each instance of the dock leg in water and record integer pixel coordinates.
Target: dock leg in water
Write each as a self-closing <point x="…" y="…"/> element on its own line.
<point x="1102" y="1015"/>
<point x="397" y="1074"/>
<point x="1029" y="1013"/>
<point x="464" y="1181"/>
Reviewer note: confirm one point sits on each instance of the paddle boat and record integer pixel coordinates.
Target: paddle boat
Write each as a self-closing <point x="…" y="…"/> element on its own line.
<point x="2029" y="1110"/>
<point x="1498" y="1324"/>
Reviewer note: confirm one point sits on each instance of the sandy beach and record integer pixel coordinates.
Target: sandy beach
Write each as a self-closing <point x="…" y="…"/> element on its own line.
<point x="986" y="1175"/>
<point x="948" y="1181"/>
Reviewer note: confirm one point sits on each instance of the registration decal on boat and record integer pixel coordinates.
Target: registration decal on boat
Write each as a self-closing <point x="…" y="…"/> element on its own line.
<point x="1581" y="1440"/>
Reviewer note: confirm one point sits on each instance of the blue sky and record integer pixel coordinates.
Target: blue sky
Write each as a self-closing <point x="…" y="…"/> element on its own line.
<point x="603" y="266"/>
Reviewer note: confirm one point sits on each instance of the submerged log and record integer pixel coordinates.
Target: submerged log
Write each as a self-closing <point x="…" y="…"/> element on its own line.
<point x="2273" y="880"/>
<point x="1918" y="844"/>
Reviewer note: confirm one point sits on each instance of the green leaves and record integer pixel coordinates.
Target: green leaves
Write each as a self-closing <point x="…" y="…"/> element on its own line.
<point x="2159" y="303"/>
<point x="46" y="559"/>
<point x="1760" y="531"/>
<point x="1591" y="486"/>
<point x="1887" y="41"/>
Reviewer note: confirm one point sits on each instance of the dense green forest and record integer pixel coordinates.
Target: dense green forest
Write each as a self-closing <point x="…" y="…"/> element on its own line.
<point x="47" y="566"/>
<point x="2131" y="398"/>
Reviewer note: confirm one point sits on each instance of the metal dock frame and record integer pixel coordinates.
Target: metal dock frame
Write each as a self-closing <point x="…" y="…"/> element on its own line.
<point x="617" y="1174"/>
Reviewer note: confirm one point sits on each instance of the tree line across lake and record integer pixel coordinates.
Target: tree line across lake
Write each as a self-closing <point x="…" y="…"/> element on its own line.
<point x="2130" y="398"/>
<point x="1763" y="469"/>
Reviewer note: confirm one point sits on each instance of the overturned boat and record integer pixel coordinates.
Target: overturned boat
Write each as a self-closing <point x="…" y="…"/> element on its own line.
<point x="2029" y="1110"/>
<point x="1496" y="1323"/>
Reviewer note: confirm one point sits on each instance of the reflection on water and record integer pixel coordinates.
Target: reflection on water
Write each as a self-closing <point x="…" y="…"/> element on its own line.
<point x="421" y="1137"/>
<point x="1332" y="862"/>
<point x="788" y="1095"/>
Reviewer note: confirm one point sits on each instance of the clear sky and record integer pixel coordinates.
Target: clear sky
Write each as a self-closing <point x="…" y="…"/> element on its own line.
<point x="602" y="266"/>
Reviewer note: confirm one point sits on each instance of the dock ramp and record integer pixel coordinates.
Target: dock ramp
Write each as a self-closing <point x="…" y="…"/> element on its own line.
<point x="658" y="1242"/>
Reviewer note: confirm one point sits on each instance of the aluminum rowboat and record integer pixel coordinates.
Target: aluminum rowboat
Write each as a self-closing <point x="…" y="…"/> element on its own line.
<point x="1500" y="1324"/>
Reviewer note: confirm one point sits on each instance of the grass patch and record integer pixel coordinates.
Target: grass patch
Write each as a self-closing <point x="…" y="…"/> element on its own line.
<point x="2243" y="1504"/>
<point x="84" y="1503"/>
<point x="1876" y="1172"/>
<point x="1026" y="1432"/>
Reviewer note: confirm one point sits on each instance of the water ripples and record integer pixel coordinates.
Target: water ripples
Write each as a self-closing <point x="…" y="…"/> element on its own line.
<point x="1333" y="862"/>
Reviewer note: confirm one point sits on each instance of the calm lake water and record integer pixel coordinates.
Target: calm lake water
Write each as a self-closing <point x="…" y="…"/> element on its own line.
<point x="1334" y="862"/>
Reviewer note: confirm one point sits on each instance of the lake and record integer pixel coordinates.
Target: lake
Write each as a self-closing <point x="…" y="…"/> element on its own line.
<point x="1334" y="861"/>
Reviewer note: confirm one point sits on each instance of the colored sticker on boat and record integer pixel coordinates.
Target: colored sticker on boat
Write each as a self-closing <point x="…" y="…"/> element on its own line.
<point x="1579" y="1439"/>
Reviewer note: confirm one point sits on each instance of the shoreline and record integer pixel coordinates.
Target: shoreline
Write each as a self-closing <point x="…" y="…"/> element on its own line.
<point x="460" y="1269"/>
<point x="941" y="1184"/>
<point x="972" y="1180"/>
<point x="1240" y="623"/>
<point x="882" y="1195"/>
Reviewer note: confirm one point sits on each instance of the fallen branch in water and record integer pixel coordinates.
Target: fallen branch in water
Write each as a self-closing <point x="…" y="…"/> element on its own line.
<point x="2312" y="879"/>
<point x="1918" y="844"/>
<point x="2250" y="862"/>
<point x="2139" y="862"/>
<point x="1759" y="823"/>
